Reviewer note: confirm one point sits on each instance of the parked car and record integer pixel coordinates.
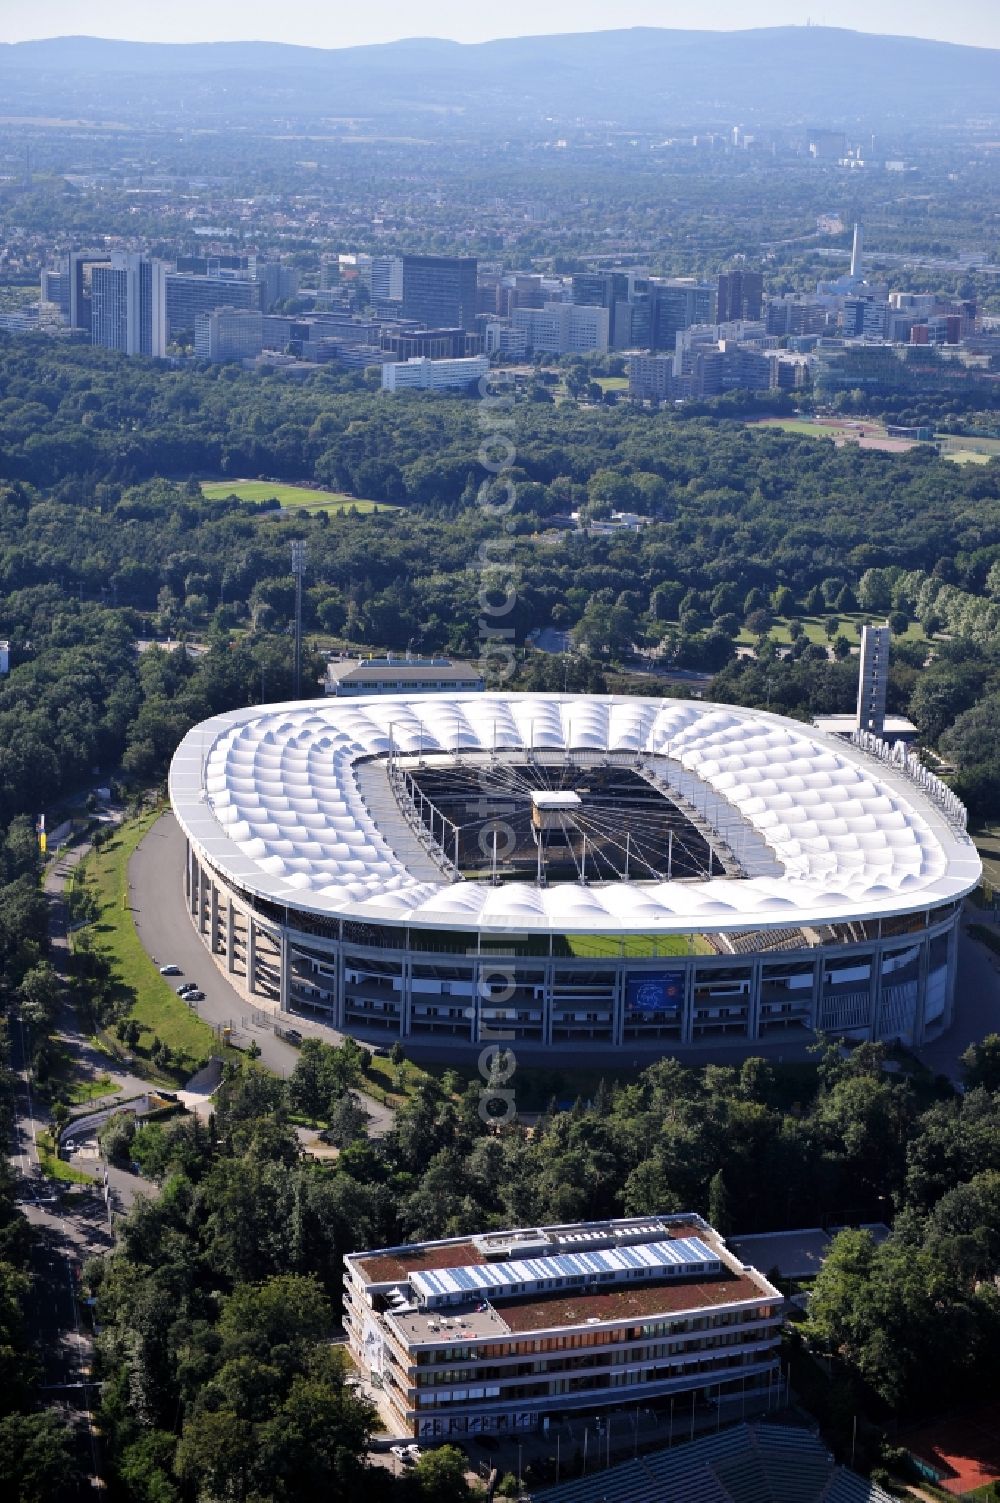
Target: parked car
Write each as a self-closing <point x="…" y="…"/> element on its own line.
<point x="185" y="987"/>
<point x="293" y="1035"/>
<point x="194" y="995"/>
<point x="171" y="970"/>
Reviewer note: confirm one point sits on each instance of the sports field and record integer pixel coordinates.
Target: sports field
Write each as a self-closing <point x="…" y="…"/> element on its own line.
<point x="969" y="450"/>
<point x="865" y="432"/>
<point x="868" y="433"/>
<point x="963" y="1453"/>
<point x="290" y="497"/>
<point x="814" y="628"/>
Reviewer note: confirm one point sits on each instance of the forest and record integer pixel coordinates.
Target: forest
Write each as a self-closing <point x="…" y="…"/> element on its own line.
<point x="759" y="555"/>
<point x="105" y="540"/>
<point x="242" y="1250"/>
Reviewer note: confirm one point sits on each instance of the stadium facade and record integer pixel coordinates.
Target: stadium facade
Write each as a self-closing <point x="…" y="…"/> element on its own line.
<point x="572" y="872"/>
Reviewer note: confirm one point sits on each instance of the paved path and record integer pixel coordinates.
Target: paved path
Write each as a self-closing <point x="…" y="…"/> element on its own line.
<point x="68" y="1228"/>
<point x="977" y="1004"/>
<point x="159" y="907"/>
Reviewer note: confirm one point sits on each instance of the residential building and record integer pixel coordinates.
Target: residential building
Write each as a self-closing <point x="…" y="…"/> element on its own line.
<point x="651" y="377"/>
<point x="422" y="374"/>
<point x="346" y="677"/>
<point x="229" y="334"/>
<point x="128" y="304"/>
<point x="740" y="295"/>
<point x="563" y="328"/>
<point x="495" y="1333"/>
<point x="440" y="291"/>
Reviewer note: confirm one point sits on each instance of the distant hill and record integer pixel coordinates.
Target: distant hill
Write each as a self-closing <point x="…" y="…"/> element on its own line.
<point x="644" y="77"/>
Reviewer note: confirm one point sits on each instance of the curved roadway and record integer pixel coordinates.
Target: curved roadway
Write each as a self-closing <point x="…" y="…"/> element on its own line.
<point x="159" y="909"/>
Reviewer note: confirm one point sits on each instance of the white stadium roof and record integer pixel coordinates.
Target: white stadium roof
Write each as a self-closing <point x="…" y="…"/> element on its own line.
<point x="270" y="796"/>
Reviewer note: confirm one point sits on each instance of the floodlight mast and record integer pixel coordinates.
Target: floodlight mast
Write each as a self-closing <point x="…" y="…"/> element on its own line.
<point x="299" y="556"/>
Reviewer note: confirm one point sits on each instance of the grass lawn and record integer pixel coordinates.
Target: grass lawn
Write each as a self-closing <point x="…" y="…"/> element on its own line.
<point x="807" y="427"/>
<point x="815" y="630"/>
<point x="636" y="946"/>
<point x="66" y="1083"/>
<point x="154" y="1004"/>
<point x="987" y="838"/>
<point x="294" y="497"/>
<point x="612" y="383"/>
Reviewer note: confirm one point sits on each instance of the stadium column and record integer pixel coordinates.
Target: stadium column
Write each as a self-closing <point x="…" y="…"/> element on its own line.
<point x="949" y="996"/>
<point x="340" y="1008"/>
<point x="251" y="954"/>
<point x="923" y="972"/>
<point x="201" y="899"/>
<point x="213" y="916"/>
<point x="819" y="967"/>
<point x="230" y="934"/>
<point x="285" y="972"/>
<point x="687" y="1018"/>
<point x="875" y="991"/>
<point x="187" y="872"/>
<point x="547" y="1003"/>
<point x="753" y="1001"/>
<point x="618" y="1009"/>
<point x="405" y="995"/>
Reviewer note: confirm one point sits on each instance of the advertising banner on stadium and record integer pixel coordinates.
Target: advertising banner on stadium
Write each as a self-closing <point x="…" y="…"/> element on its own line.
<point x="654" y="991"/>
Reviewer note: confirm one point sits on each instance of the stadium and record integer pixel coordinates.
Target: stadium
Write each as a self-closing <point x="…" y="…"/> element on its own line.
<point x="572" y="872"/>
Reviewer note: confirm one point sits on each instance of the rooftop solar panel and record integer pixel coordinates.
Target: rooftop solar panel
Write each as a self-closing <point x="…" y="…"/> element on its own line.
<point x="650" y="1258"/>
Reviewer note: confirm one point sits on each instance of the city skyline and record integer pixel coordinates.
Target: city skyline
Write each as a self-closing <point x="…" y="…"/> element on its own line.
<point x="966" y="22"/>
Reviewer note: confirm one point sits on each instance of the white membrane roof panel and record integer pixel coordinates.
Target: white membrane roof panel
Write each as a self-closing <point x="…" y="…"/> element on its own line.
<point x="270" y="797"/>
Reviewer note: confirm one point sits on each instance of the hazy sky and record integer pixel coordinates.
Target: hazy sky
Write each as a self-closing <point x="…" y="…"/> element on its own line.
<point x="321" y="23"/>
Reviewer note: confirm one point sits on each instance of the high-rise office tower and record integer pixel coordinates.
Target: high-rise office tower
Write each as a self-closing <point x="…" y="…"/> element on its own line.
<point x="612" y="290"/>
<point x="80" y="269"/>
<point x="387" y="279"/>
<point x="677" y="304"/>
<point x="857" y="254"/>
<point x="128" y="304"/>
<point x="440" y="291"/>
<point x="740" y="295"/>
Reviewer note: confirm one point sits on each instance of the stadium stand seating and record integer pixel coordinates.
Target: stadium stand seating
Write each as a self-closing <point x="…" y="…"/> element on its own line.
<point x="758" y="1463"/>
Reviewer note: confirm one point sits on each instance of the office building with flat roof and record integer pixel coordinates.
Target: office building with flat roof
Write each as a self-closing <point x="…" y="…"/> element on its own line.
<point x="563" y="328"/>
<point x="187" y="296"/>
<point x="440" y="291"/>
<point x="675" y="304"/>
<point x="740" y="295"/>
<point x="423" y="374"/>
<point x="393" y="675"/>
<point x="496" y="1333"/>
<point x="229" y="334"/>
